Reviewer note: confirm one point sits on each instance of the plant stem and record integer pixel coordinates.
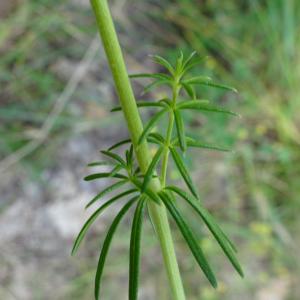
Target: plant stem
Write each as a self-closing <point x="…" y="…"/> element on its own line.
<point x="169" y="136"/>
<point x="157" y="212"/>
<point x="164" y="166"/>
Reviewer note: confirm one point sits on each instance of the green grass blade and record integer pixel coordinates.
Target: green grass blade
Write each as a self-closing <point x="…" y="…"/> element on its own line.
<point x="180" y="130"/>
<point x="114" y="156"/>
<point x="190" y="239"/>
<point x="93" y="217"/>
<point x="151" y="168"/>
<point x="106" y="191"/>
<point x="163" y="62"/>
<point x="219" y="235"/>
<point x="104" y="175"/>
<point x="183" y="171"/>
<point x="151" y="124"/>
<point x="135" y="250"/>
<point x="121" y="143"/>
<point x="106" y="245"/>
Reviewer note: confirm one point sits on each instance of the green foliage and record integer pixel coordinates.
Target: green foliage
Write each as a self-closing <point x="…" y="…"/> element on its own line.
<point x="126" y="171"/>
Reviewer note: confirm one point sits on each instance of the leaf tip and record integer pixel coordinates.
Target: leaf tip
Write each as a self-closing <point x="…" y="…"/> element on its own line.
<point x="74" y="250"/>
<point x="214" y="283"/>
<point x="240" y="271"/>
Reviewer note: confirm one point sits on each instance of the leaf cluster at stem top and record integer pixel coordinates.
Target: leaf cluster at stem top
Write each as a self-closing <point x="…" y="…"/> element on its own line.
<point x="174" y="143"/>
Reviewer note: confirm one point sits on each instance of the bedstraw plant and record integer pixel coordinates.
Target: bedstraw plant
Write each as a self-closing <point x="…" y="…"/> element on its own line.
<point x="141" y="178"/>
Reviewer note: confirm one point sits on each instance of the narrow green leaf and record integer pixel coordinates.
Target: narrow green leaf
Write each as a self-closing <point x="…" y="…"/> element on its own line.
<point x="121" y="143"/>
<point x="195" y="62"/>
<point x="158" y="137"/>
<point x="106" y="191"/>
<point x="155" y="84"/>
<point x="151" y="75"/>
<point x="166" y="102"/>
<point x="150" y="104"/>
<point x="152" y="140"/>
<point x="179" y="63"/>
<point x="114" y="156"/>
<point x="162" y="61"/>
<point x="187" y="197"/>
<point x="151" y="124"/>
<point x="129" y="157"/>
<point x="209" y="108"/>
<point x="106" y="244"/>
<point x="103" y="175"/>
<point x="219" y="235"/>
<point x="189" y="90"/>
<point x="152" y="195"/>
<point x="94" y="216"/>
<point x="198" y="80"/>
<point x="135" y="250"/>
<point x="204" y="80"/>
<point x="222" y="86"/>
<point x="142" y="104"/>
<point x="190" y="239"/>
<point x="115" y="170"/>
<point x="180" y="130"/>
<point x="137" y="170"/>
<point x="189" y="59"/>
<point x="99" y="163"/>
<point x="196" y="144"/>
<point x="183" y="171"/>
<point x="151" y="168"/>
<point x="191" y="104"/>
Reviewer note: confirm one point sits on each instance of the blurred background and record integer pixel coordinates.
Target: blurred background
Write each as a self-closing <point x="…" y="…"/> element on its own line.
<point x="56" y="93"/>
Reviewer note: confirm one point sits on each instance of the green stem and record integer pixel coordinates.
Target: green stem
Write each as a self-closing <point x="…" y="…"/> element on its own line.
<point x="165" y="159"/>
<point x="158" y="213"/>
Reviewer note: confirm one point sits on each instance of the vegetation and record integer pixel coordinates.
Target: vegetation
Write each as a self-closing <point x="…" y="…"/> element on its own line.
<point x="252" y="192"/>
<point x="141" y="174"/>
